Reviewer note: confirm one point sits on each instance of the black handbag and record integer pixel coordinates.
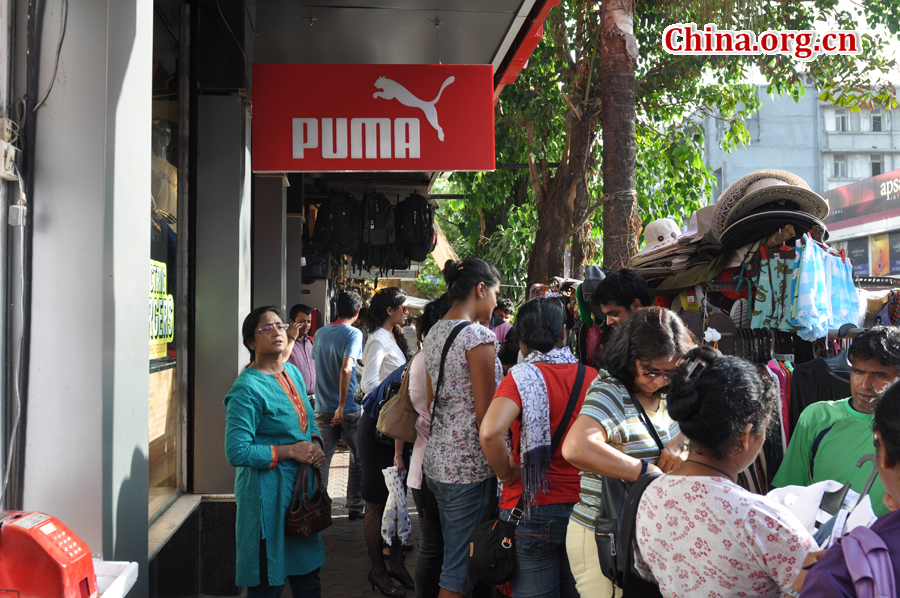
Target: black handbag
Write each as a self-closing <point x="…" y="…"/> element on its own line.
<point x="614" y="527"/>
<point x="492" y="548"/>
<point x="308" y="515"/>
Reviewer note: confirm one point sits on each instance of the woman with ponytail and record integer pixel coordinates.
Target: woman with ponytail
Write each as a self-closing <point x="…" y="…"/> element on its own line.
<point x="530" y="404"/>
<point x="462" y="373"/>
<point x="384" y="353"/>
<point x="697" y="532"/>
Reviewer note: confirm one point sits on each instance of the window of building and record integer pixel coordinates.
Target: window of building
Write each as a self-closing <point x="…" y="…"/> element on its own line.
<point x="877" y="164"/>
<point x="876" y="121"/>
<point x="840" y="167"/>
<point x="166" y="335"/>
<point x="840" y="121"/>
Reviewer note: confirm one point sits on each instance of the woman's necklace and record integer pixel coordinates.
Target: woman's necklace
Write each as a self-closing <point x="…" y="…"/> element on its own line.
<point x="710" y="467"/>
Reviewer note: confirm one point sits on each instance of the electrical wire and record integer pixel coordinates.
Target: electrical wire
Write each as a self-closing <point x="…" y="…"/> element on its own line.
<point x="221" y="14"/>
<point x="63" y="18"/>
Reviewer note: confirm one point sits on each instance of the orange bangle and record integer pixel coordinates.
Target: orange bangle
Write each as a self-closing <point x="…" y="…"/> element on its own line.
<point x="274" y="457"/>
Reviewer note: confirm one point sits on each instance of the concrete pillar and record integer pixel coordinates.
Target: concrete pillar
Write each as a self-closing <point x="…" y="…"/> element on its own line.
<point x="223" y="279"/>
<point x="86" y="450"/>
<point x="269" y="242"/>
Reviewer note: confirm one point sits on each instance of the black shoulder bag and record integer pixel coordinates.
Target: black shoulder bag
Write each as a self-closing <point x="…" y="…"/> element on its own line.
<point x="614" y="528"/>
<point x="492" y="548"/>
<point x="429" y="502"/>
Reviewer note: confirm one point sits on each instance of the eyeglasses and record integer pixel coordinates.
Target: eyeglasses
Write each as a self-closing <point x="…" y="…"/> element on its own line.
<point x="268" y="328"/>
<point x="667" y="374"/>
<point x="403" y="308"/>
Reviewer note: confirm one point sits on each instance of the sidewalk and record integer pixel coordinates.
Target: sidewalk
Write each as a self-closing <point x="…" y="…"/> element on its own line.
<point x="347" y="560"/>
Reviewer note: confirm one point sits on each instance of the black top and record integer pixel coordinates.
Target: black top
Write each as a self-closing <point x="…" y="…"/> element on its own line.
<point x="812" y="382"/>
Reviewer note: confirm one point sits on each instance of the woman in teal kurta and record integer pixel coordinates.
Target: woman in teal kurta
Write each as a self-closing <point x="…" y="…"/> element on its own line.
<point x="270" y="430"/>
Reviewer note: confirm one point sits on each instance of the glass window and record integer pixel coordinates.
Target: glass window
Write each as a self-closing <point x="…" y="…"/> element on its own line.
<point x="840" y="166"/>
<point x="840" y="121"/>
<point x="877" y="164"/>
<point x="165" y="390"/>
<point x="876" y="121"/>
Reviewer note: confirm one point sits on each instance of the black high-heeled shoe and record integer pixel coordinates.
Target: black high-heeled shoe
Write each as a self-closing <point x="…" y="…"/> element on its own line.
<point x="392" y="592"/>
<point x="404" y="578"/>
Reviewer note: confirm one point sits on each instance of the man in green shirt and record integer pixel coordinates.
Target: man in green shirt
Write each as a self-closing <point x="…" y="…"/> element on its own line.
<point x="831" y="436"/>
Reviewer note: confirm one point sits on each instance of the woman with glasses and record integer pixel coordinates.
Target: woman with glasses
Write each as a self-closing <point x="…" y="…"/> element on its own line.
<point x="270" y="431"/>
<point x="612" y="437"/>
<point x="384" y="353"/>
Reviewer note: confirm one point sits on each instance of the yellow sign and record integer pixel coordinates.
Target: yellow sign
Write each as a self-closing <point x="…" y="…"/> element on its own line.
<point x="881" y="265"/>
<point x="162" y="311"/>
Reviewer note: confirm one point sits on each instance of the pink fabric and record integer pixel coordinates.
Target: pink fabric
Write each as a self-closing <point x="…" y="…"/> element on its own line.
<point x="785" y="408"/>
<point x="501" y="330"/>
<point x="417" y="394"/>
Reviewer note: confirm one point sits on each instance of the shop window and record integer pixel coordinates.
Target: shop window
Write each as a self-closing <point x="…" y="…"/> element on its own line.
<point x="165" y="335"/>
<point x="877" y="164"/>
<point x="876" y="121"/>
<point x="840" y="167"/>
<point x="840" y="121"/>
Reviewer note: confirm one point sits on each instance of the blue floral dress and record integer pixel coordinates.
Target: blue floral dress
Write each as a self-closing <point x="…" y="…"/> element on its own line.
<point x="260" y="416"/>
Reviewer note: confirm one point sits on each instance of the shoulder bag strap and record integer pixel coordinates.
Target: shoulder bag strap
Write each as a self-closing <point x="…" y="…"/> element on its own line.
<point x="644" y="418"/>
<point x="450" y="338"/>
<point x="628" y="525"/>
<point x="563" y="425"/>
<point x="301" y="484"/>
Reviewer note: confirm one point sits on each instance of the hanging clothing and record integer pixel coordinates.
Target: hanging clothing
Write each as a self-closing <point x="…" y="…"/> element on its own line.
<point x="812" y="382"/>
<point x="844" y="298"/>
<point x="813" y="302"/>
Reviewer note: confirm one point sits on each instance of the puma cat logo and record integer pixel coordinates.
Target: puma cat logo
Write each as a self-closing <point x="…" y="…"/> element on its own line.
<point x="391" y="90"/>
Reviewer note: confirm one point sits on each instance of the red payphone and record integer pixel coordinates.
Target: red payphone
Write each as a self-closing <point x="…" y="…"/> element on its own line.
<point x="41" y="558"/>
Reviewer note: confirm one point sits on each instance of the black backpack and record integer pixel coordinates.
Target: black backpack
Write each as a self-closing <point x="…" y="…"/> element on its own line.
<point x="417" y="234"/>
<point x="378" y="220"/>
<point x="338" y="224"/>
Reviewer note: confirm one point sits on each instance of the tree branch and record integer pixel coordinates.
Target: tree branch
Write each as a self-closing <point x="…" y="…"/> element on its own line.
<point x="588" y="213"/>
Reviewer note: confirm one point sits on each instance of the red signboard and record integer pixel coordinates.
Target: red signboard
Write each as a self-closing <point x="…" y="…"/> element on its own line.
<point x="873" y="199"/>
<point x="372" y="117"/>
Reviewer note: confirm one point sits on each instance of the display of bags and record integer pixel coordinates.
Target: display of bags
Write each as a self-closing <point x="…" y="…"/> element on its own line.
<point x="308" y="515"/>
<point x="378" y="220"/>
<point x="417" y="232"/>
<point x="398" y="416"/>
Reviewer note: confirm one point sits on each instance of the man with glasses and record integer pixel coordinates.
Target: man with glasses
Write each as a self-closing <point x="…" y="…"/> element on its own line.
<point x="337" y="348"/>
<point x="299" y="347"/>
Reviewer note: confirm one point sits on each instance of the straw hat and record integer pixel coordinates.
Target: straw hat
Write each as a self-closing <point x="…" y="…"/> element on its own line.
<point x="766" y="190"/>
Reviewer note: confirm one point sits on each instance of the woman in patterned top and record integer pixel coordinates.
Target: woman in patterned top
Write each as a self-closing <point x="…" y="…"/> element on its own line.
<point x="610" y="438"/>
<point x="270" y="431"/>
<point x="697" y="532"/>
<point x="455" y="467"/>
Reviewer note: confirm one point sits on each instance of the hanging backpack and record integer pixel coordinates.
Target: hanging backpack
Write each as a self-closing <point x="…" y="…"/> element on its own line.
<point x="869" y="564"/>
<point x="338" y="224"/>
<point x="378" y="222"/>
<point x="417" y="233"/>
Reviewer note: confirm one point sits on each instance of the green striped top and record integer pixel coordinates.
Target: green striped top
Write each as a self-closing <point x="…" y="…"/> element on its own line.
<point x="608" y="402"/>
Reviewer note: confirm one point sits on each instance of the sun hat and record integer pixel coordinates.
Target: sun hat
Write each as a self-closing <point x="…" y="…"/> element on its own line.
<point x="658" y="233"/>
<point x="700" y="225"/>
<point x="766" y="189"/>
<point x="760" y="225"/>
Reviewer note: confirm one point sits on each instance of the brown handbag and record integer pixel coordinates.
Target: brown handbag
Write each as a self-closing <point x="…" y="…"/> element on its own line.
<point x="398" y="416"/>
<point x="308" y="515"/>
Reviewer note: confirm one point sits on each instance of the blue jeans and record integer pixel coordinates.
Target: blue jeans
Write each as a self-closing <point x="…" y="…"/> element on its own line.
<point x="542" y="565"/>
<point x="330" y="437"/>
<point x="462" y="508"/>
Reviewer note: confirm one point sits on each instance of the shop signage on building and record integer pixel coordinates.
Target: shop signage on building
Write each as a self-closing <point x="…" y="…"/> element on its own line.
<point x="162" y="311"/>
<point x="372" y="117"/>
<point x="867" y="201"/>
<point x="858" y="251"/>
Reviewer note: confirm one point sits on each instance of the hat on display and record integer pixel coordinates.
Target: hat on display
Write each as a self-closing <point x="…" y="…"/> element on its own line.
<point x="766" y="190"/>
<point x="760" y="225"/>
<point x="660" y="232"/>
<point x="593" y="276"/>
<point x="700" y="225"/>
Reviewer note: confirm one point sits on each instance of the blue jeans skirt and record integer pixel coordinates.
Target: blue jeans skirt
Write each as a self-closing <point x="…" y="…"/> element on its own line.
<point x="462" y="508"/>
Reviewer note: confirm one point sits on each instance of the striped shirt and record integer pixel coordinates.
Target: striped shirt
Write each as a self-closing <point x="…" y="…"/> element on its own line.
<point x="608" y="402"/>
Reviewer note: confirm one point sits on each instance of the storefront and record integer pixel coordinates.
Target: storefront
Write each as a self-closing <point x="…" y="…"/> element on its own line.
<point x="82" y="353"/>
<point x="864" y="219"/>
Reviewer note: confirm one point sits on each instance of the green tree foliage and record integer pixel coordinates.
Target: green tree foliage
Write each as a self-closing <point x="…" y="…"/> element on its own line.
<point x="557" y="98"/>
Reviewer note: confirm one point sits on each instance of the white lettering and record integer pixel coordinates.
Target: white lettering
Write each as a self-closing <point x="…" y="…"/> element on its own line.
<point x="406" y="137"/>
<point x="306" y="135"/>
<point x="370" y="128"/>
<point x="334" y="142"/>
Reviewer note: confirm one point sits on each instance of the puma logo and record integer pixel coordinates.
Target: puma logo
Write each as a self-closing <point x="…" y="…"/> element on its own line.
<point x="391" y="90"/>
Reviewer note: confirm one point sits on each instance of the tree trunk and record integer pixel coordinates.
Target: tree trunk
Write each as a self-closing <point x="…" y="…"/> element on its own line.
<point x="558" y="201"/>
<point x="619" y="52"/>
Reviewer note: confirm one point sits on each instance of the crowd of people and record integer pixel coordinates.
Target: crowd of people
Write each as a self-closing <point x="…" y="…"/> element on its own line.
<point x="534" y="440"/>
